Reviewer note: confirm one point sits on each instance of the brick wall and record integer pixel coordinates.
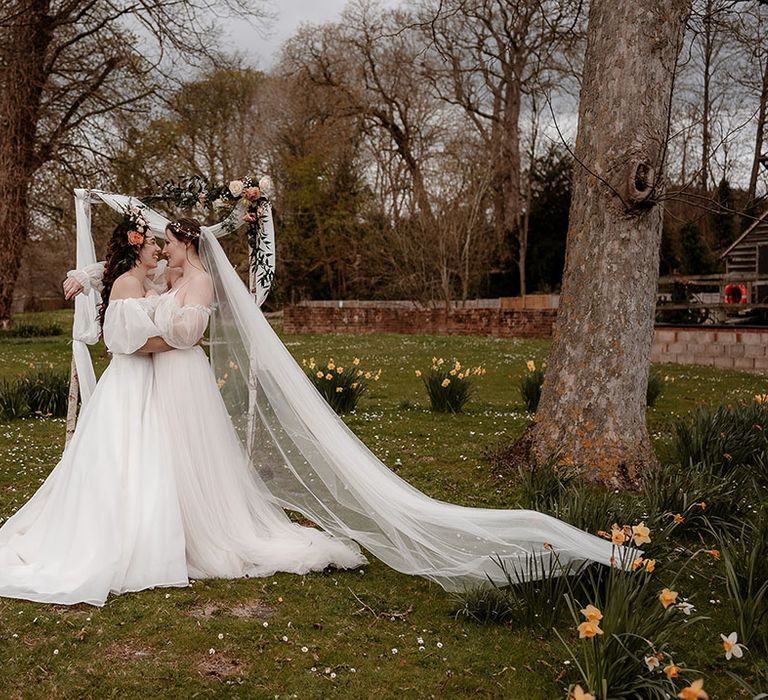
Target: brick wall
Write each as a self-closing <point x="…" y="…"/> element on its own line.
<point x="504" y="323"/>
<point x="730" y="348"/>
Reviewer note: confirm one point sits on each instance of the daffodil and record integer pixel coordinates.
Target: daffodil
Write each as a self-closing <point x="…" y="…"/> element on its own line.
<point x="340" y="370"/>
<point x="667" y="597"/>
<point x="617" y="536"/>
<point x="331" y="364"/>
<point x="418" y="372"/>
<point x="640" y="534"/>
<point x="319" y="374"/>
<point x="531" y="365"/>
<point x="651" y="662"/>
<point x="672" y="671"/>
<point x="578" y="694"/>
<point x="591" y="613"/>
<point x="452" y="372"/>
<point x="650" y="565"/>
<point x="695" y="691"/>
<point x="356" y="361"/>
<point x="589" y="629"/>
<point x="445" y="383"/>
<point x="339" y="389"/>
<point x="637" y="564"/>
<point x="329" y="376"/>
<point x="685" y="608"/>
<point x="731" y="646"/>
<point x="678" y="518"/>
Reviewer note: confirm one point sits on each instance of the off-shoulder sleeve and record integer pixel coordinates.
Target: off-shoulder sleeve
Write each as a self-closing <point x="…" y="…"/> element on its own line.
<point x="183" y="327"/>
<point x="128" y="325"/>
<point x="89" y="277"/>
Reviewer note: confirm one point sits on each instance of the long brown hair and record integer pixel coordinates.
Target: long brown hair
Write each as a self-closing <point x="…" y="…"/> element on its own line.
<point x="122" y="256"/>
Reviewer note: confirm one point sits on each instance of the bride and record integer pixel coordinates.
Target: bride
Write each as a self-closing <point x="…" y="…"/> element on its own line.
<point x="300" y="451"/>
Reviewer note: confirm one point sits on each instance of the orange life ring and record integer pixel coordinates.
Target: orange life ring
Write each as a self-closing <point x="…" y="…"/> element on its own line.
<point x="735" y="293"/>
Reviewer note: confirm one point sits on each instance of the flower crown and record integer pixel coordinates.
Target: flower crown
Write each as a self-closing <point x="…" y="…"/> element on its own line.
<point x="136" y="224"/>
<point x="179" y="228"/>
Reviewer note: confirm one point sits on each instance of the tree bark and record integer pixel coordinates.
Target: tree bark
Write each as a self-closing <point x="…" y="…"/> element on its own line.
<point x="592" y="409"/>
<point x="21" y="86"/>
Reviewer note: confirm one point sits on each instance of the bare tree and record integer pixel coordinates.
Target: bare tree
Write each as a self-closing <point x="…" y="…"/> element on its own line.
<point x="489" y="55"/>
<point x="66" y="66"/>
<point x="592" y="409"/>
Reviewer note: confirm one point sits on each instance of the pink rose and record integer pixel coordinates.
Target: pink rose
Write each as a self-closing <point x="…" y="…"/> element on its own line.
<point x="252" y="193"/>
<point x="135" y="238"/>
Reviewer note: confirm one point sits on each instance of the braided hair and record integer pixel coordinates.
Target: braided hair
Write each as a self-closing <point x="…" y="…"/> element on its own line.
<point x="122" y="255"/>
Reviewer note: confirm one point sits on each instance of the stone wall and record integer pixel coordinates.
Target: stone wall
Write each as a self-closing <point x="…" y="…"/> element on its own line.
<point x="729" y="348"/>
<point x="500" y="322"/>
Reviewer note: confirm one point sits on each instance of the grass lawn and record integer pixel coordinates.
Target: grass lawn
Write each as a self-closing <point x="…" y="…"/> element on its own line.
<point x="341" y="634"/>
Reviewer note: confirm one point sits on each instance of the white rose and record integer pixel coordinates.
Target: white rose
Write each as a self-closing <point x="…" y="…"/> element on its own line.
<point x="236" y="187"/>
<point x="266" y="186"/>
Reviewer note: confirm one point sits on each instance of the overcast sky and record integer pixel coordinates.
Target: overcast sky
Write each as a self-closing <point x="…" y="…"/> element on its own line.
<point x="263" y="53"/>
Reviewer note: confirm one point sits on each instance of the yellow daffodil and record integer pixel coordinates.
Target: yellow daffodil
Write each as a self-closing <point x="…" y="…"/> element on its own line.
<point x="761" y="398"/>
<point x="617" y="536"/>
<point x="452" y="372"/>
<point x="695" y="691"/>
<point x="589" y="629"/>
<point x="367" y="375"/>
<point x="319" y="374"/>
<point x="578" y="694"/>
<point x="339" y="370"/>
<point x="440" y="361"/>
<point x="640" y="534"/>
<point x="356" y="361"/>
<point x="702" y="505"/>
<point x="339" y="389"/>
<point x="637" y="564"/>
<point x="460" y="375"/>
<point x="418" y="372"/>
<point x="303" y="362"/>
<point x="354" y="385"/>
<point x="331" y="365"/>
<point x="445" y="382"/>
<point x="311" y="364"/>
<point x="731" y="646"/>
<point x="650" y="565"/>
<point x="592" y="613"/>
<point x="678" y="518"/>
<point x="531" y="365"/>
<point x="672" y="671"/>
<point x="667" y="597"/>
<point x="329" y="376"/>
<point x="714" y="553"/>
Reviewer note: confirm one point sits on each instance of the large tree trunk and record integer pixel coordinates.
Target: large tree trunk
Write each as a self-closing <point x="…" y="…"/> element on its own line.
<point x="24" y="55"/>
<point x="592" y="409"/>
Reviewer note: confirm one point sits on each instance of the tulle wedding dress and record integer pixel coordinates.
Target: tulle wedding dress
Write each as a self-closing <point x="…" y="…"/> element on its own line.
<point x="232" y="524"/>
<point x="107" y="519"/>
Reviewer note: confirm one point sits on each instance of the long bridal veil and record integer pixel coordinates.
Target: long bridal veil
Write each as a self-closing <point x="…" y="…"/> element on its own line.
<point x="312" y="463"/>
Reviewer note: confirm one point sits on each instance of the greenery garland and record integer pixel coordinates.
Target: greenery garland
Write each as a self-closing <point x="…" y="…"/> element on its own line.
<point x="197" y="192"/>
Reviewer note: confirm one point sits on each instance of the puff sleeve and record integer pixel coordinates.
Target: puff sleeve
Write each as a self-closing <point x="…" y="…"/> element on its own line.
<point x="128" y="324"/>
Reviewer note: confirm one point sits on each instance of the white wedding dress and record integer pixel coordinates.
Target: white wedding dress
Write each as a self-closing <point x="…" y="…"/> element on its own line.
<point x="232" y="524"/>
<point x="107" y="519"/>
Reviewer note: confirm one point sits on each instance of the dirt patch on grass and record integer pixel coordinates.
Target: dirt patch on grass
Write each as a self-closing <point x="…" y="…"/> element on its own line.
<point x="128" y="651"/>
<point x="220" y="666"/>
<point x="247" y="610"/>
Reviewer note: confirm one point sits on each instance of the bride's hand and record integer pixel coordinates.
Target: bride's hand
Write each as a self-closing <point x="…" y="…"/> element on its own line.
<point x="71" y="288"/>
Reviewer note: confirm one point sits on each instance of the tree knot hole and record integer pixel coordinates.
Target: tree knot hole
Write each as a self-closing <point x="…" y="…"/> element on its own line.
<point x="642" y="179"/>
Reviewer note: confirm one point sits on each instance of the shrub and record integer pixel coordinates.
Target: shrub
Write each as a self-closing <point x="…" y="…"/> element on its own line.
<point x="694" y="497"/>
<point x="654" y="390"/>
<point x="44" y="393"/>
<point x="590" y="508"/>
<point x="530" y="386"/>
<point x="627" y="621"/>
<point x="28" y="330"/>
<point x="47" y="392"/>
<point x="13" y="401"/>
<point x="744" y="557"/>
<point x="533" y="595"/>
<point x="448" y="389"/>
<point x="341" y="387"/>
<point x="724" y="437"/>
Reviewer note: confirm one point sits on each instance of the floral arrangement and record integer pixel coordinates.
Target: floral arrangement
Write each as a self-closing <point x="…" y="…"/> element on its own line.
<point x="449" y="387"/>
<point x="221" y="199"/>
<point x="135" y="226"/>
<point x="341" y="387"/>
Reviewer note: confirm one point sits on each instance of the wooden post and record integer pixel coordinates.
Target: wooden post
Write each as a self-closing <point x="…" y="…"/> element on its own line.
<point x="74" y="391"/>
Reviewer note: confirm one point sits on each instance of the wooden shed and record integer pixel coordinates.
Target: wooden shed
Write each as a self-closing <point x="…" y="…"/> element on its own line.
<point x="747" y="259"/>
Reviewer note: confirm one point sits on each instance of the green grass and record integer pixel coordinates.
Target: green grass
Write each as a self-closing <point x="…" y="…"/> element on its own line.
<point x="156" y="643"/>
